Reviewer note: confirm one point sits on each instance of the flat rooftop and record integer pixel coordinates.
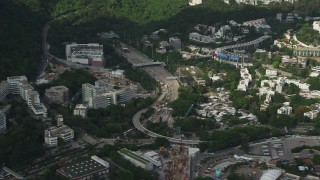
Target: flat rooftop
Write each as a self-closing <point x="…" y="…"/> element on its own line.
<point x="55" y="131"/>
<point x="82" y="168"/>
<point x="133" y="156"/>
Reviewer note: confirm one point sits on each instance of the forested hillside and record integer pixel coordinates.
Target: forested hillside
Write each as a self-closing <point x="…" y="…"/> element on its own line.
<point x="20" y="34"/>
<point x="21" y="22"/>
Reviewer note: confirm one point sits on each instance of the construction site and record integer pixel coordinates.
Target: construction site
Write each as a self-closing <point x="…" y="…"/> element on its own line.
<point x="176" y="163"/>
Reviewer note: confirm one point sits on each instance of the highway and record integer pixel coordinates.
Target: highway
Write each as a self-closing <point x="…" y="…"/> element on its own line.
<point x="171" y="93"/>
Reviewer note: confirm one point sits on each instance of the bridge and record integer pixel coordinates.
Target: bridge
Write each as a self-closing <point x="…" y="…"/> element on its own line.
<point x="11" y="172"/>
<point x="147" y="64"/>
<point x="247" y="45"/>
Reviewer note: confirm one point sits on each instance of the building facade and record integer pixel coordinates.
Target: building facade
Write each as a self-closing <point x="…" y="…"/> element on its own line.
<point x="19" y="85"/>
<point x="81" y="110"/>
<point x="3" y="122"/>
<point x="102" y="94"/>
<point x="88" y="54"/>
<point x="316" y="26"/>
<point x="62" y="131"/>
<point x="4" y="89"/>
<point x="307" y="52"/>
<point x="194" y="36"/>
<point x="194" y="2"/>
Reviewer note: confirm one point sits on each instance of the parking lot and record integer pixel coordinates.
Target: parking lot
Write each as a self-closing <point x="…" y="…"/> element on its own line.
<point x="281" y="148"/>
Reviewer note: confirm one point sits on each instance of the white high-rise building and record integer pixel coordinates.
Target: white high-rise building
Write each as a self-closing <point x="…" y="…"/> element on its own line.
<point x="102" y="94"/>
<point x="14" y="83"/>
<point x="19" y="85"/>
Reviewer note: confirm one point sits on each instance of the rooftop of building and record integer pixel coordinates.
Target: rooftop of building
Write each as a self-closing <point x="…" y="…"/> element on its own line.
<point x="17" y="78"/>
<point x="81" y="106"/>
<point x="82" y="168"/>
<point x="55" y="131"/>
<point x="57" y="88"/>
<point x="133" y="156"/>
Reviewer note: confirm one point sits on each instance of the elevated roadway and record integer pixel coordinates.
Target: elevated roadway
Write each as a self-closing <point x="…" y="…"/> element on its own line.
<point x="162" y="75"/>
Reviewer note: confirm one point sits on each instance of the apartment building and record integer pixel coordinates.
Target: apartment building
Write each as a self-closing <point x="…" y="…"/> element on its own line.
<point x="285" y="109"/>
<point x="14" y="83"/>
<point x="194" y="36"/>
<point x="4" y="89"/>
<point x="103" y="94"/>
<point x="88" y="54"/>
<point x="3" y="122"/>
<point x="175" y="42"/>
<point x="194" y="2"/>
<point x="62" y="131"/>
<point x="81" y="110"/>
<point x="312" y="114"/>
<point x="316" y="25"/>
<point x="271" y="73"/>
<point x="306" y="52"/>
<point x="19" y="85"/>
<point x="126" y="94"/>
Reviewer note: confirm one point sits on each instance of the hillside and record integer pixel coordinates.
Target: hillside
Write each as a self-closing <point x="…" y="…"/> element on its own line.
<point x="20" y="39"/>
<point x="21" y="22"/>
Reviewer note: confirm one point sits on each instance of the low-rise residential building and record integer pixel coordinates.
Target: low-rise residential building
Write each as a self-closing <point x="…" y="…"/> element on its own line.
<point x="195" y="2"/>
<point x="279" y="17"/>
<point x="290" y="18"/>
<point x="255" y="22"/>
<point x="271" y="73"/>
<point x="316" y="26"/>
<point x="175" y="42"/>
<point x="57" y="94"/>
<point x="86" y="169"/>
<point x="243" y="85"/>
<point x="136" y="159"/>
<point x="314" y="74"/>
<point x="194" y="36"/>
<point x="314" y="94"/>
<point x="285" y="109"/>
<point x="315" y="71"/>
<point x="312" y="114"/>
<point x="88" y="54"/>
<point x="246" y="78"/>
<point x="62" y="131"/>
<point x="302" y="86"/>
<point x="81" y="110"/>
<point x="307" y="52"/>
